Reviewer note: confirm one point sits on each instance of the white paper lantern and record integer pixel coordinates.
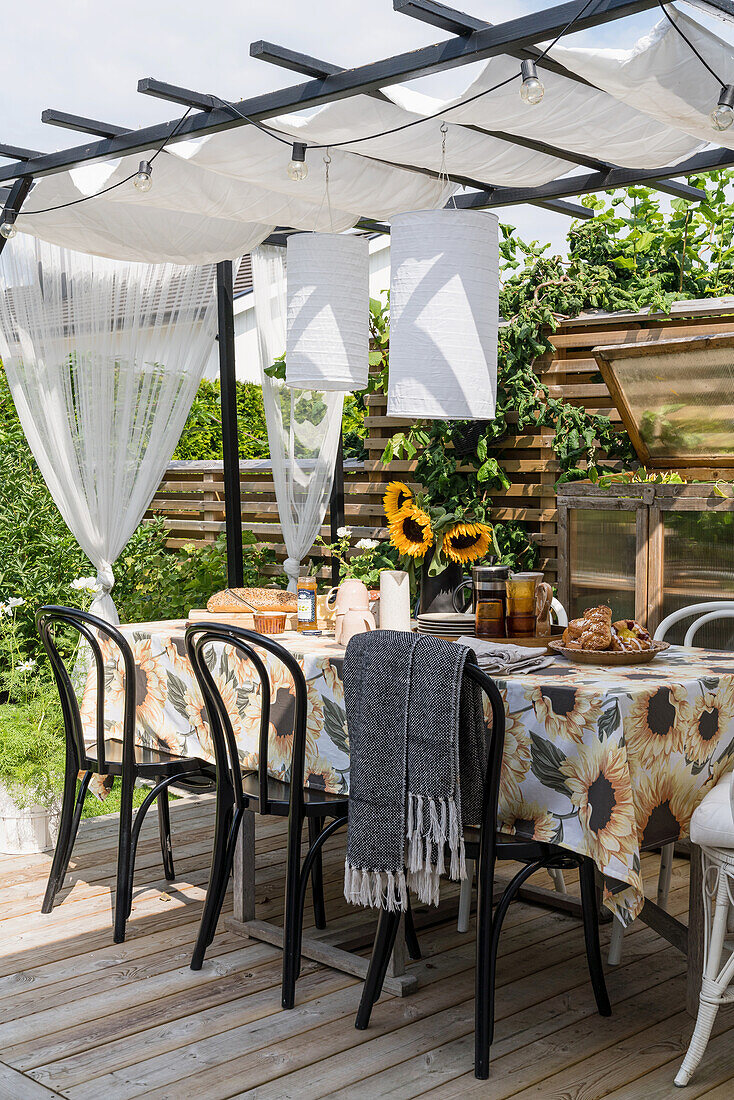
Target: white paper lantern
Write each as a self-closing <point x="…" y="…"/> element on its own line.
<point x="327" y="346"/>
<point x="444" y="315"/>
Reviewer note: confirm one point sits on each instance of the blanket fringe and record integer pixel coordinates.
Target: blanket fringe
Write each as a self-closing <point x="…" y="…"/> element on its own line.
<point x="431" y="825"/>
<point x="375" y="889"/>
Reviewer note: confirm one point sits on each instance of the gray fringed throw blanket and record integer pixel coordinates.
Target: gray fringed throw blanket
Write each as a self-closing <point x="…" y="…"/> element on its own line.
<point x="417" y="758"/>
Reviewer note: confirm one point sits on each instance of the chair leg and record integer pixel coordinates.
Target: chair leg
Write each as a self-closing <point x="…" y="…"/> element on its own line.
<point x="591" y="937"/>
<point x="489" y="927"/>
<point x="615" y="943"/>
<point x="224" y="880"/>
<point x="293" y="917"/>
<point x="164" y="828"/>
<point x="315" y="825"/>
<point x="484" y="976"/>
<point x="123" y="892"/>
<point x="666" y="872"/>
<point x="559" y="883"/>
<point x="217" y="874"/>
<point x="712" y="987"/>
<point x="387" y="930"/>
<point x="462" y="921"/>
<point x="71" y="812"/>
<point x="411" y="937"/>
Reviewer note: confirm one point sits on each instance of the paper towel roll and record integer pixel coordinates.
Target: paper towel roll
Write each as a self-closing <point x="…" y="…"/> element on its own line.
<point x="394" y="600"/>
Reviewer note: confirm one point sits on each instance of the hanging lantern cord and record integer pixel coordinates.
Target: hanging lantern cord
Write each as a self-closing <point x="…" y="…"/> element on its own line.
<point x="443" y="176"/>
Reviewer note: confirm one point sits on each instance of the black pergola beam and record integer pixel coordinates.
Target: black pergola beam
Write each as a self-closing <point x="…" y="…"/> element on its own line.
<point x="429" y="59"/>
<point x="296" y="62"/>
<point x="597" y="181"/>
<point x="171" y="92"/>
<point x="81" y="124"/>
<point x="16" y="152"/>
<point x="16" y="197"/>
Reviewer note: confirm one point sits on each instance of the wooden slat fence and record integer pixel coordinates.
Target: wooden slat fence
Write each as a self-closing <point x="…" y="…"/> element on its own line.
<point x="190" y="496"/>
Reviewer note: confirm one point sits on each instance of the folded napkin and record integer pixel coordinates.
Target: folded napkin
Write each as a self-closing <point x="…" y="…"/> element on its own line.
<point x="502" y="658"/>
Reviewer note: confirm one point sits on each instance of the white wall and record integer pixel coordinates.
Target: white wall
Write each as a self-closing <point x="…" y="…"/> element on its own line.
<point x="245" y="334"/>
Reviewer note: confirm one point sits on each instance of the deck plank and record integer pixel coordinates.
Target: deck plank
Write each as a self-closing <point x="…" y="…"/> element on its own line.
<point x="81" y="1017"/>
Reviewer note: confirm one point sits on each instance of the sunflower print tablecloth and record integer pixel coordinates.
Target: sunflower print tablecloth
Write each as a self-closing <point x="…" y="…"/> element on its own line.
<point x="610" y="761"/>
<point x="604" y="761"/>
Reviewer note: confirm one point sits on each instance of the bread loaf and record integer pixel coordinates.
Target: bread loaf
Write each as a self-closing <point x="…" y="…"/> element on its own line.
<point x="231" y="600"/>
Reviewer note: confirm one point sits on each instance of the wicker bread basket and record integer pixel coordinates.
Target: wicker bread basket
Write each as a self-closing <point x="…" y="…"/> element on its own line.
<point x="252" y="599"/>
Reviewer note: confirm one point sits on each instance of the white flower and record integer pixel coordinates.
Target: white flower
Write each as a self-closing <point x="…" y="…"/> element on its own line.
<point x="27" y="666"/>
<point x="344" y="532"/>
<point x="368" y="544"/>
<point x="15" y="601"/>
<point x="4" y="609"/>
<point x="85" y="584"/>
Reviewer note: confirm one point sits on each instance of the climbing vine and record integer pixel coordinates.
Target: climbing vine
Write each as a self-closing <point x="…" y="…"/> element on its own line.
<point x="631" y="255"/>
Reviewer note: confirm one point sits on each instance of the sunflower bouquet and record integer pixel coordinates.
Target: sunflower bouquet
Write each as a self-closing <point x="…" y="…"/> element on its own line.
<point x="417" y="525"/>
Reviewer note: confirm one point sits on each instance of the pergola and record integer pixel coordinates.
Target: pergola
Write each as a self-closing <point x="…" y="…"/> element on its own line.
<point x="518" y="40"/>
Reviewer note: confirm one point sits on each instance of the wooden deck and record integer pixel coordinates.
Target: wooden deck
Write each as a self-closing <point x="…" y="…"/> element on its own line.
<point x="84" y="1018"/>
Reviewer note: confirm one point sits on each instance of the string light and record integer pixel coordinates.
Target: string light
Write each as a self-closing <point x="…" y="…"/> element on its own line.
<point x="722" y="115"/>
<point x="297" y="167"/>
<point x="531" y="89"/>
<point x="143" y="180"/>
<point x="7" y="229"/>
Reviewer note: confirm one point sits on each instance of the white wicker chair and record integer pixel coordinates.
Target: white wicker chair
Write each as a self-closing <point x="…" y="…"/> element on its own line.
<point x="712" y="827"/>
<point x="702" y="613"/>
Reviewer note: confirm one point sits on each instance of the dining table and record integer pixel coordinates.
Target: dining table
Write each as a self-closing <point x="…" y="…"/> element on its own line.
<point x="606" y="761"/>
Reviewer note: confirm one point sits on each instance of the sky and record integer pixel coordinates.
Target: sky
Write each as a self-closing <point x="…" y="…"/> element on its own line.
<point x="86" y="56"/>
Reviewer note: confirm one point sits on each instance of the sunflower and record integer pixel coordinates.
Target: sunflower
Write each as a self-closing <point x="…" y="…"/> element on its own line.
<point x="397" y="495"/>
<point x="516" y="757"/>
<point x="655" y="723"/>
<point x="467" y="541"/>
<point x="320" y="775"/>
<point x="410" y="532"/>
<point x="599" y="780"/>
<point x="151" y="685"/>
<point x="282" y="715"/>
<point x="664" y="804"/>
<point x="526" y="819"/>
<point x="710" y="717"/>
<point x="198" y="720"/>
<point x="566" y="711"/>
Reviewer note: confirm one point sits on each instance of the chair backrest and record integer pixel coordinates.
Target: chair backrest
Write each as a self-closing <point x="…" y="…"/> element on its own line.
<point x="558" y="612"/>
<point x="250" y="645"/>
<point x="90" y="628"/>
<point x="706" y="612"/>
<point x="495" y="749"/>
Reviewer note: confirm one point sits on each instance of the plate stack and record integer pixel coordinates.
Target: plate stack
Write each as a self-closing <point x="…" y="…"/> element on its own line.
<point x="449" y="624"/>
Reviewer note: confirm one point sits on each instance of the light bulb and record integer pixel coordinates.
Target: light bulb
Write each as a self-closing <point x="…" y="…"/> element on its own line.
<point x="144" y="179"/>
<point x="7" y="230"/>
<point x="722" y="115"/>
<point x="531" y="89"/>
<point x="297" y="168"/>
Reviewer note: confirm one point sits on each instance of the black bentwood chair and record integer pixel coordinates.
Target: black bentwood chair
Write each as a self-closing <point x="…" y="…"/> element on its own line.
<point x="487" y="845"/>
<point x="106" y="756"/>
<point x="258" y="791"/>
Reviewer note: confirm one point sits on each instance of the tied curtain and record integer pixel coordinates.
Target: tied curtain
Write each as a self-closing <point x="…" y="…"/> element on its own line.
<point x="103" y="359"/>
<point x="304" y="426"/>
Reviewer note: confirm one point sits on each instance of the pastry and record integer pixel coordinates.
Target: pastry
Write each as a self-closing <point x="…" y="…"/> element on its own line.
<point x="630" y="636"/>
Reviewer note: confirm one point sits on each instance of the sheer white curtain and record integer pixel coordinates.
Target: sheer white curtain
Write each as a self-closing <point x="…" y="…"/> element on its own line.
<point x="103" y="359"/>
<point x="304" y="426"/>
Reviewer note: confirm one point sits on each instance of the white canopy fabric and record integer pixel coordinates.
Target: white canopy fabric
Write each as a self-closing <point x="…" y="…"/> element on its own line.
<point x="217" y="197"/>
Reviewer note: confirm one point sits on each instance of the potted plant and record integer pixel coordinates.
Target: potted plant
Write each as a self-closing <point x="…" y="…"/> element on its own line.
<point x="32" y="746"/>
